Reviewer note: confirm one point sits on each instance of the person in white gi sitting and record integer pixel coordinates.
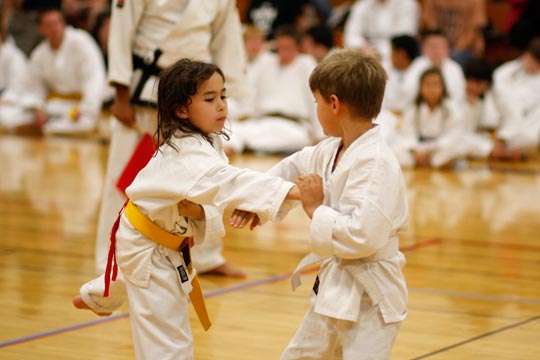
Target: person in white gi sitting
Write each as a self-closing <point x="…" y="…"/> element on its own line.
<point x="12" y="63"/>
<point x="431" y="129"/>
<point x="516" y="86"/>
<point x="435" y="53"/>
<point x="372" y="23"/>
<point x="65" y="82"/>
<point x="479" y="110"/>
<point x="281" y="110"/>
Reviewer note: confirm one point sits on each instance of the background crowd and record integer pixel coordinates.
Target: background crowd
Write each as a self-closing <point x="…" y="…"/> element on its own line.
<point x="463" y="75"/>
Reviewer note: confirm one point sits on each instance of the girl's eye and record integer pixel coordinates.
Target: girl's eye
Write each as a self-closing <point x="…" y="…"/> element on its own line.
<point x="209" y="100"/>
<point x="223" y="97"/>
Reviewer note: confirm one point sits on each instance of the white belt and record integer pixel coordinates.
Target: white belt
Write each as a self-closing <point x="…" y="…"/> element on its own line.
<point x="360" y="270"/>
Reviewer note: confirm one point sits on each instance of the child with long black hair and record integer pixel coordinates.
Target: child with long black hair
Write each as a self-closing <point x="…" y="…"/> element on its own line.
<point x="153" y="235"/>
<point x="432" y="127"/>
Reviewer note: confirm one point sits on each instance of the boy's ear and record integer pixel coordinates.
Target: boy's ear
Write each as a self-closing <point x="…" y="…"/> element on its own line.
<point x="182" y="112"/>
<point x="335" y="103"/>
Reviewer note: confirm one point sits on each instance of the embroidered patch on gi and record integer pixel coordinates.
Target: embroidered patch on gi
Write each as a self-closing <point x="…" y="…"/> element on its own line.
<point x="316" y="285"/>
<point x="183" y="274"/>
<point x="120" y="4"/>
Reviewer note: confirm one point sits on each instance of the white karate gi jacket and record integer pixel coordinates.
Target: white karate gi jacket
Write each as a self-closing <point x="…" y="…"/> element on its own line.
<point x="356" y="229"/>
<point x="198" y="172"/>
<point x="442" y="130"/>
<point x="13" y="64"/>
<point x="205" y="30"/>
<point x="371" y="22"/>
<point x="283" y="89"/>
<point x="452" y="74"/>
<point x="517" y="95"/>
<point x="396" y="98"/>
<point x="77" y="67"/>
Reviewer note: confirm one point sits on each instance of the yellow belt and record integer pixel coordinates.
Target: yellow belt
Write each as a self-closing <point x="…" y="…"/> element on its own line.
<point x="64" y="96"/>
<point x="179" y="243"/>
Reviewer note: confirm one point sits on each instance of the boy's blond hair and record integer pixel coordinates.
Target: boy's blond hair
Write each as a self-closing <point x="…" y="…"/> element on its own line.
<point x="355" y="78"/>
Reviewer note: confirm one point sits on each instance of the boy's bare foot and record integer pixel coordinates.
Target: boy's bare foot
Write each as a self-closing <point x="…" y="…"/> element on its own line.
<point x="80" y="304"/>
<point x="226" y="270"/>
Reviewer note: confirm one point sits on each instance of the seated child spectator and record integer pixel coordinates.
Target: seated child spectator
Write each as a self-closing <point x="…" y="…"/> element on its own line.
<point x="281" y="109"/>
<point x="479" y="110"/>
<point x="516" y="86"/>
<point x="431" y="127"/>
<point x="436" y="53"/>
<point x="372" y="23"/>
<point x="405" y="49"/>
<point x="64" y="86"/>
<point x="318" y="41"/>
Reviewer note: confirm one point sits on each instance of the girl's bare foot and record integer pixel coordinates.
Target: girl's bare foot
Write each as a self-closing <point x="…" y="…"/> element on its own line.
<point x="226" y="270"/>
<point x="80" y="304"/>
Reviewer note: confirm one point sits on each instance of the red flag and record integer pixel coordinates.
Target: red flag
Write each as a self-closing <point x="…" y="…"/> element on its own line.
<point x="143" y="153"/>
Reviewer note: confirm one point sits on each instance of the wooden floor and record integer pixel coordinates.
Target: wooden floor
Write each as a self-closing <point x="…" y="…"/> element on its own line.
<point x="472" y="248"/>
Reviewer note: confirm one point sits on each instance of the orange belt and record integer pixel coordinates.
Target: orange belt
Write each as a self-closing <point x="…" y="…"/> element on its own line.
<point x="179" y="243"/>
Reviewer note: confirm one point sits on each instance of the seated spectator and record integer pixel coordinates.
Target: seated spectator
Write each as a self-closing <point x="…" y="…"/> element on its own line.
<point x="462" y="22"/>
<point x="318" y="41"/>
<point x="12" y="63"/>
<point x="430" y="133"/>
<point x="372" y="23"/>
<point x="255" y="45"/>
<point x="479" y="110"/>
<point x="281" y="108"/>
<point x="435" y="53"/>
<point x="20" y="20"/>
<point x="516" y="86"/>
<point x="405" y="49"/>
<point x="63" y="89"/>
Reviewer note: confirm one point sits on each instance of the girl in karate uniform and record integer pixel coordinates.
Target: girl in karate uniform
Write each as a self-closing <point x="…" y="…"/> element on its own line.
<point x="431" y="127"/>
<point x="189" y="165"/>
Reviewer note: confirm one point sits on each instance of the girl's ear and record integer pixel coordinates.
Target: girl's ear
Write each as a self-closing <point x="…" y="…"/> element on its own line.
<point x="182" y="112"/>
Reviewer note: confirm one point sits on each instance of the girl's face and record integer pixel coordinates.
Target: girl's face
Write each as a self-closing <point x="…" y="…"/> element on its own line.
<point x="431" y="89"/>
<point x="208" y="108"/>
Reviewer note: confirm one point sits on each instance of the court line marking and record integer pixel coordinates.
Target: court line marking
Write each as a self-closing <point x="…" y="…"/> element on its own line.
<point x="247" y="285"/>
<point x="504" y="328"/>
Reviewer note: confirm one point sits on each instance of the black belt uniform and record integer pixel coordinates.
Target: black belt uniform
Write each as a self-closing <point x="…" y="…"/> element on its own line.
<point x="149" y="69"/>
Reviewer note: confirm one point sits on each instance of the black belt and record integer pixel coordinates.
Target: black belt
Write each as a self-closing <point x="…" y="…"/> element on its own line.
<point x="284" y="116"/>
<point x="149" y="68"/>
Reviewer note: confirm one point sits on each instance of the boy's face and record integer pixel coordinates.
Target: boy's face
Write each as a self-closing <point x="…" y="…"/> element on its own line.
<point x="208" y="108"/>
<point x="476" y="87"/>
<point x="436" y="49"/>
<point x="530" y="64"/>
<point x="254" y="44"/>
<point x="287" y="49"/>
<point x="326" y="116"/>
<point x="399" y="58"/>
<point x="52" y="27"/>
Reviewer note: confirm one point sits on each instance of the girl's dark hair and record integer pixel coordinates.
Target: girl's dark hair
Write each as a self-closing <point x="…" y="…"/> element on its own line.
<point x="430" y="71"/>
<point x="177" y="84"/>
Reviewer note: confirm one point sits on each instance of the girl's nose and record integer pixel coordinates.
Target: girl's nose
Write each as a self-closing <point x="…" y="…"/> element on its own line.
<point x="222" y="103"/>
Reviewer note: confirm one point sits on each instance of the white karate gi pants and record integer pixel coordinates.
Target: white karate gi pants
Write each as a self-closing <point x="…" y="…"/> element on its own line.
<point x="322" y="337"/>
<point x="269" y="135"/>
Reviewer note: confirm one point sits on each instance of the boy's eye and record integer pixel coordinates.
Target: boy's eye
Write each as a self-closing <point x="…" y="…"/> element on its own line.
<point x="223" y="97"/>
<point x="209" y="100"/>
